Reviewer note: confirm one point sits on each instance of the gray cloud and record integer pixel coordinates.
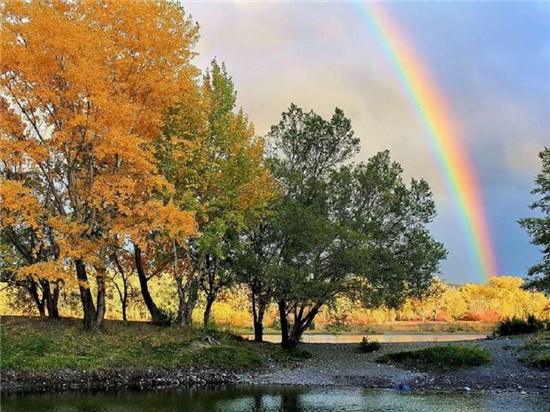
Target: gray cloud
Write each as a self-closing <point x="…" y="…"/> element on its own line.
<point x="321" y="55"/>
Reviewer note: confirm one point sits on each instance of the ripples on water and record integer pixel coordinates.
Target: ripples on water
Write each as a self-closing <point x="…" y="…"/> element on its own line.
<point x="272" y="399"/>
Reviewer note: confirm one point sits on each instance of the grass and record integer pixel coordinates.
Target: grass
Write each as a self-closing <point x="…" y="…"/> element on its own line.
<point x="449" y="356"/>
<point x="537" y="351"/>
<point x="29" y="344"/>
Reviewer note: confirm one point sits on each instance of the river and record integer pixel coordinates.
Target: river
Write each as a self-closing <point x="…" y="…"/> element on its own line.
<point x="384" y="338"/>
<point x="271" y="399"/>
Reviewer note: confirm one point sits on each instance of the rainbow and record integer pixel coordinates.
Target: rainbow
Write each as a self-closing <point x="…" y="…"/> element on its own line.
<point x="442" y="132"/>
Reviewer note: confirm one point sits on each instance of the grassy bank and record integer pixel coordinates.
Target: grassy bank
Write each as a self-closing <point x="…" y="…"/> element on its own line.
<point x="32" y="344"/>
<point x="450" y="356"/>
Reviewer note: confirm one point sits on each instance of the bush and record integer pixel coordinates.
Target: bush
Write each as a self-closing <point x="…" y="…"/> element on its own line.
<point x="441" y="356"/>
<point x="367" y="346"/>
<point x="517" y="326"/>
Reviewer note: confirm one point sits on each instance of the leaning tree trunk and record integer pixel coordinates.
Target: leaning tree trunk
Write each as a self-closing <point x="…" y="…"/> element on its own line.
<point x="33" y="291"/>
<point x="302" y="323"/>
<point x="86" y="298"/>
<point x="208" y="309"/>
<point x="157" y="316"/>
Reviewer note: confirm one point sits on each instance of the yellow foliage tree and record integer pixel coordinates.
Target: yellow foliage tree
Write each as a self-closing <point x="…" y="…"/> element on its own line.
<point x="84" y="88"/>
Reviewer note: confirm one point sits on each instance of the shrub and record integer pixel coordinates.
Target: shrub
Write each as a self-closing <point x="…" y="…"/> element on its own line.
<point x="441" y="356"/>
<point x="517" y="326"/>
<point x="367" y="346"/>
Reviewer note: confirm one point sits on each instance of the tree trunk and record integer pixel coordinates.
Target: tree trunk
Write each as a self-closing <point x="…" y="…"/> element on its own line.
<point x="285" y="339"/>
<point x="208" y="309"/>
<point x="157" y="317"/>
<point x="302" y="323"/>
<point x="34" y="294"/>
<point x="258" y="311"/>
<point x="100" y="313"/>
<point x="187" y="297"/>
<point x="86" y="298"/>
<point x="124" y="302"/>
<point x="51" y="298"/>
<point x="55" y="302"/>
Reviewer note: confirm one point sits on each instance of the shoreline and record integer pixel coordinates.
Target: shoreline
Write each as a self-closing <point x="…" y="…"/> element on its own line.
<point x="331" y="365"/>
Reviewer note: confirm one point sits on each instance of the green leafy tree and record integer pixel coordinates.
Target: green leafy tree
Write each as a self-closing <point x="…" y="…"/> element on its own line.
<point x="539" y="227"/>
<point x="216" y="166"/>
<point x="343" y="229"/>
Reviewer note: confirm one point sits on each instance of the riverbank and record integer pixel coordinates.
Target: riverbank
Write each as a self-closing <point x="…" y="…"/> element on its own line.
<point x="46" y="356"/>
<point x="40" y="355"/>
<point x="344" y="365"/>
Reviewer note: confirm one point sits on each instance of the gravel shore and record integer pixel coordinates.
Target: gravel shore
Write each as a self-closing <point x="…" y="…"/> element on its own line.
<point x="344" y="365"/>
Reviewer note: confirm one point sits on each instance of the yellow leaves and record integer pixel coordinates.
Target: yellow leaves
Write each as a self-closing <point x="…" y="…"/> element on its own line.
<point x="85" y="85"/>
<point x="51" y="270"/>
<point x="72" y="242"/>
<point x="18" y="205"/>
<point x="154" y="216"/>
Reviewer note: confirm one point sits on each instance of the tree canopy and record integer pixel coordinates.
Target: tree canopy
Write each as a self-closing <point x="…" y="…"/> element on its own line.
<point x="539" y="227"/>
<point x="340" y="228"/>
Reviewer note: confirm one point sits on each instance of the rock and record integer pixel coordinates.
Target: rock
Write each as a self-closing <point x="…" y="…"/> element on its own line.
<point x="467" y="389"/>
<point x="523" y="393"/>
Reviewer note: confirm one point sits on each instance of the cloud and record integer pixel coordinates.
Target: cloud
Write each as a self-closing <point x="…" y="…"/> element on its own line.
<point x="495" y="76"/>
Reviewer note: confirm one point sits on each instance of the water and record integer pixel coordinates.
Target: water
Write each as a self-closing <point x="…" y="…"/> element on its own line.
<point x="276" y="399"/>
<point x="385" y="338"/>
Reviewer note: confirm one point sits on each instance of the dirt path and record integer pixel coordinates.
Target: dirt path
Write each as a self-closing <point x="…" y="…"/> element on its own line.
<point x="343" y="365"/>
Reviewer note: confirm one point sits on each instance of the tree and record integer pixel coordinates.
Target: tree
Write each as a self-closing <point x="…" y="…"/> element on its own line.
<point x="223" y="179"/>
<point x="84" y="87"/>
<point x="256" y="257"/>
<point x="343" y="229"/>
<point x="539" y="227"/>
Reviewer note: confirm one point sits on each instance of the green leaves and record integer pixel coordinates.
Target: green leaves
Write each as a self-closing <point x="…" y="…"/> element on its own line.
<point x="357" y="228"/>
<point x="539" y="227"/>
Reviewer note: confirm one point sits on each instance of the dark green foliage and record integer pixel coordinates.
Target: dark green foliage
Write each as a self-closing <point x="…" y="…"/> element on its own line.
<point x="339" y="229"/>
<point x="441" y="357"/>
<point x="517" y="326"/>
<point x="367" y="346"/>
<point x="539" y="227"/>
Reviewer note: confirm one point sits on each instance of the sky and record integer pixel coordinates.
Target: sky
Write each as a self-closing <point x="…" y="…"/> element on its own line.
<point x="491" y="62"/>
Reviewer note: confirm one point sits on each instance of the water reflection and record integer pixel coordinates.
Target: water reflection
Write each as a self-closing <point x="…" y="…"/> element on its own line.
<point x="271" y="399"/>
